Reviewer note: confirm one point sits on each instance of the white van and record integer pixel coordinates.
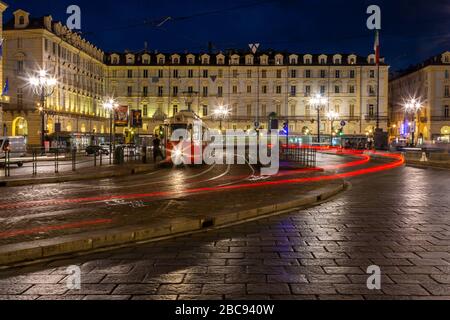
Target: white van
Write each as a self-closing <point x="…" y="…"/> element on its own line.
<point x="17" y="148"/>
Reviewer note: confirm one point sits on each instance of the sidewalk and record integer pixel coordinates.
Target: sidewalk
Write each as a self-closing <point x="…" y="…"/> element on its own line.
<point x="87" y="173"/>
<point x="168" y="217"/>
<point x="432" y="164"/>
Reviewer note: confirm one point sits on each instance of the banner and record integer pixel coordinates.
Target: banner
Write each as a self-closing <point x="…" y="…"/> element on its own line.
<point x="121" y="116"/>
<point x="136" y="118"/>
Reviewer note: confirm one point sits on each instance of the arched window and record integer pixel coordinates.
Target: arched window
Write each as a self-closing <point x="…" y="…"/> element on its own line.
<point x="21" y="20"/>
<point x="20" y="127"/>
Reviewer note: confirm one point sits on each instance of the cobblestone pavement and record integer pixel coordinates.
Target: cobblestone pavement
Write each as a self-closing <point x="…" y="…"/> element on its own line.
<point x="398" y="220"/>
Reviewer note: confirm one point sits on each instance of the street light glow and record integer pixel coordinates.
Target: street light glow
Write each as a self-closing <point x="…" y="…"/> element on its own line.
<point x="42" y="83"/>
<point x="318" y="101"/>
<point x="110" y="104"/>
<point x="413" y="105"/>
<point x="222" y="112"/>
<point x="332" y="115"/>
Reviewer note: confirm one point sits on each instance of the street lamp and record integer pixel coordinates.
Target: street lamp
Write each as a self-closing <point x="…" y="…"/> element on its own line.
<point x="110" y="104"/>
<point x="44" y="86"/>
<point x="222" y="112"/>
<point x="412" y="107"/>
<point x="318" y="102"/>
<point x="332" y="116"/>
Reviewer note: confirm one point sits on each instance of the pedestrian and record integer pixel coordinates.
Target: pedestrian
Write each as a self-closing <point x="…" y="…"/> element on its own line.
<point x="6" y="146"/>
<point x="157" y="148"/>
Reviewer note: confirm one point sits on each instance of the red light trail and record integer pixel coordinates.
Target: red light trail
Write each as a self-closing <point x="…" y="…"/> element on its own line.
<point x="399" y="162"/>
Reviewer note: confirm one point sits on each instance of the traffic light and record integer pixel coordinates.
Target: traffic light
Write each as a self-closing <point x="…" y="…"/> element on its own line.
<point x="159" y="131"/>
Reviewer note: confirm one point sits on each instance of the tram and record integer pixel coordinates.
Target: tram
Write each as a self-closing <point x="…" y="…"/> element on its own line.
<point x="189" y="131"/>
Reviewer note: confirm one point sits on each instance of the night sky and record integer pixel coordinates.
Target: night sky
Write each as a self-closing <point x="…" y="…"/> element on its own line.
<point x="412" y="30"/>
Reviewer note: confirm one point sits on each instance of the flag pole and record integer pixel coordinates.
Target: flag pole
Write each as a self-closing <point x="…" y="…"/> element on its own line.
<point x="378" y="76"/>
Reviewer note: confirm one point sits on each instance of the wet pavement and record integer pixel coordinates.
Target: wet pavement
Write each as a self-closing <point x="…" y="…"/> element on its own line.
<point x="398" y="220"/>
<point x="48" y="166"/>
<point x="46" y="211"/>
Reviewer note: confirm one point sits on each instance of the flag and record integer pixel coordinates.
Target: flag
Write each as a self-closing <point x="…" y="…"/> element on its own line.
<point x="376" y="47"/>
<point x="5" y="88"/>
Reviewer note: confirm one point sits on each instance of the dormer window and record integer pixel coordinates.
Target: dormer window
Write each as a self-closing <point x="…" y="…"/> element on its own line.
<point x="293" y="59"/>
<point x="145" y="59"/>
<point x="279" y="60"/>
<point x="130" y="59"/>
<point x="115" y="60"/>
<point x="235" y="60"/>
<point x="205" y="59"/>
<point x="175" y="59"/>
<point x="190" y="59"/>
<point x="21" y="19"/>
<point x="249" y="60"/>
<point x="446" y="58"/>
<point x="161" y="59"/>
<point x="337" y="59"/>
<point x="264" y="60"/>
<point x="307" y="59"/>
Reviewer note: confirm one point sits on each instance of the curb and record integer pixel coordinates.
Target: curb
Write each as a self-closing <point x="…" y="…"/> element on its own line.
<point x="37" y="251"/>
<point x="428" y="165"/>
<point x="70" y="178"/>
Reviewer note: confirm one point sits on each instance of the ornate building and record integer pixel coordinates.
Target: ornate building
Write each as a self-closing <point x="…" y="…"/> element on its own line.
<point x="32" y="44"/>
<point x="429" y="83"/>
<point x="4" y="98"/>
<point x="252" y="86"/>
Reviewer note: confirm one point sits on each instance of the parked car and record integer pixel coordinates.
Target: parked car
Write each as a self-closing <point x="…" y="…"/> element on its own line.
<point x="97" y="150"/>
<point x="16" y="146"/>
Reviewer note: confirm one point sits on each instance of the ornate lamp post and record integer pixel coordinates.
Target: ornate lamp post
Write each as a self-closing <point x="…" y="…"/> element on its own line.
<point x="412" y="107"/>
<point x="221" y="113"/>
<point x="44" y="86"/>
<point x="332" y="116"/>
<point x="110" y="104"/>
<point x="318" y="102"/>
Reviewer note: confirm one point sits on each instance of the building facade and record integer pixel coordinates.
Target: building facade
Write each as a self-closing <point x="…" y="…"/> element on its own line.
<point x="4" y="98"/>
<point x="75" y="105"/>
<point x="252" y="86"/>
<point x="429" y="83"/>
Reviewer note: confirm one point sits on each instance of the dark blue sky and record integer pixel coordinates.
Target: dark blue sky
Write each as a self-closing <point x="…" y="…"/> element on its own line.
<point x="412" y="29"/>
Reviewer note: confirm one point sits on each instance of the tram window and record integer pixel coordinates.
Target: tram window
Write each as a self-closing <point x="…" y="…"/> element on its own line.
<point x="175" y="127"/>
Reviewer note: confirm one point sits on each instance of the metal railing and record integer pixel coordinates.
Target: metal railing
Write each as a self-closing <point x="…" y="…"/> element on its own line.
<point x="64" y="160"/>
<point x="305" y="156"/>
